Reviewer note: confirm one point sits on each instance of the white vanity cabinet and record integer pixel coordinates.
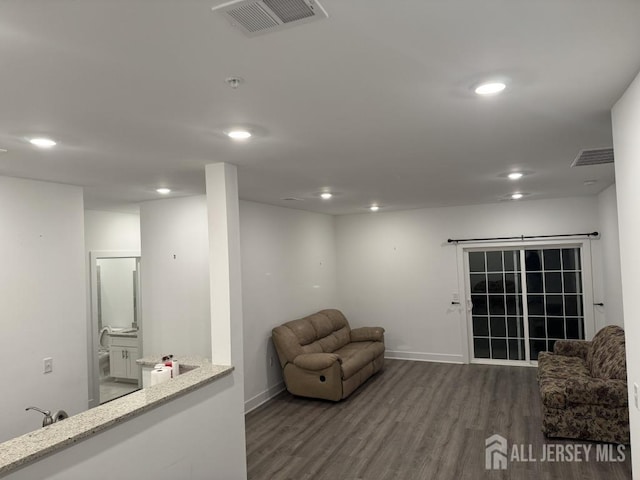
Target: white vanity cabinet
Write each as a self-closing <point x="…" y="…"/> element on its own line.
<point x="123" y="353"/>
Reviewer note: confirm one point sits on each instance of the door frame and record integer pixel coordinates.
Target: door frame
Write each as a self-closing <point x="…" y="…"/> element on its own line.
<point x="462" y="260"/>
<point x="92" y="321"/>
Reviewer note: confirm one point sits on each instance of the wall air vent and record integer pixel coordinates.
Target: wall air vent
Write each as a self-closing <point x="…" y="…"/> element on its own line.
<point x="595" y="156"/>
<point x="264" y="16"/>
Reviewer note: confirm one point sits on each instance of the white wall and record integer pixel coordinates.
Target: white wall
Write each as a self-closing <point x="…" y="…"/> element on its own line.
<point x="175" y="277"/>
<point x="610" y="256"/>
<point x="42" y="301"/>
<point x="396" y="269"/>
<point x="288" y="271"/>
<point x="626" y="142"/>
<point x="111" y="231"/>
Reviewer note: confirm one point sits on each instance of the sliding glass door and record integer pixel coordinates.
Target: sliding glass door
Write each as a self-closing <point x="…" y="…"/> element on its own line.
<point x="523" y="300"/>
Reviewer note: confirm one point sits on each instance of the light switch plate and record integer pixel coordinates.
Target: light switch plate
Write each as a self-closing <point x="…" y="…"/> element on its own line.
<point x="48" y="365"/>
<point x="455" y="297"/>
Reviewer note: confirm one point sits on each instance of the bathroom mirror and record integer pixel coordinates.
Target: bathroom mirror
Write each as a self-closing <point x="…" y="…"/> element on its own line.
<point x="116" y="333"/>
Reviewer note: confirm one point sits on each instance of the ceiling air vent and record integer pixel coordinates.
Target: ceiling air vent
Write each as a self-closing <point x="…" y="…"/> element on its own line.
<point x="595" y="156"/>
<point x="259" y="17"/>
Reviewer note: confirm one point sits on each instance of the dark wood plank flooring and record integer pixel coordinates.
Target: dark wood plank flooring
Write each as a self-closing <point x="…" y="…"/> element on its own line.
<point x="412" y="421"/>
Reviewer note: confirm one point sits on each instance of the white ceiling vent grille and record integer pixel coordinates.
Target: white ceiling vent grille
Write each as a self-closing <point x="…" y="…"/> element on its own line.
<point x="253" y="17"/>
<point x="290" y="10"/>
<point x="596" y="156"/>
<point x="263" y="16"/>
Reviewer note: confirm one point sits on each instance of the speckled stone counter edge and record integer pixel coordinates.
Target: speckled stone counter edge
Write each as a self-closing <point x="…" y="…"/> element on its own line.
<point x="19" y="451"/>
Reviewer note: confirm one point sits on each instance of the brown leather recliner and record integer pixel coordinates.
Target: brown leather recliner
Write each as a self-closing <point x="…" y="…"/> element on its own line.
<point x="322" y="357"/>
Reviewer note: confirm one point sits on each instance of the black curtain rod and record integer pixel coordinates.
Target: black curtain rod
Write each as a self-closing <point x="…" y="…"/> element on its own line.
<point x="522" y="237"/>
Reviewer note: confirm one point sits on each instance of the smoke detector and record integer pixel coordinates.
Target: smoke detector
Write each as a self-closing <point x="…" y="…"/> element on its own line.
<point x="595" y="156"/>
<point x="258" y="17"/>
<point x="234" y="82"/>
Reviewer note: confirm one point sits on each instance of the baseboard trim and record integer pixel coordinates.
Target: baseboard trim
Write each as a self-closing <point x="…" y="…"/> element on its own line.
<point x="263" y="397"/>
<point x="424" y="357"/>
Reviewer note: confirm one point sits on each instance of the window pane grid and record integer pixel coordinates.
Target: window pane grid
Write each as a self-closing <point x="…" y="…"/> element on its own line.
<point x="554" y="281"/>
<point x="554" y="300"/>
<point x="496" y="294"/>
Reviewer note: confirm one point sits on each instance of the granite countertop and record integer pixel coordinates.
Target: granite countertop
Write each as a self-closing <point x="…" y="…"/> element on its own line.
<point x="44" y="441"/>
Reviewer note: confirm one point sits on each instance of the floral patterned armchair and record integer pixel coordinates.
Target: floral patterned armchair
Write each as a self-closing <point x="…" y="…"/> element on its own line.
<point x="583" y="386"/>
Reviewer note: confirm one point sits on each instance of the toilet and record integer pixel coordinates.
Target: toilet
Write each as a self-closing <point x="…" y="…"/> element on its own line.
<point x="103" y="352"/>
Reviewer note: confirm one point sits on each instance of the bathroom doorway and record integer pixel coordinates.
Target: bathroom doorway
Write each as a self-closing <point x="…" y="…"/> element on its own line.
<point x="115" y="324"/>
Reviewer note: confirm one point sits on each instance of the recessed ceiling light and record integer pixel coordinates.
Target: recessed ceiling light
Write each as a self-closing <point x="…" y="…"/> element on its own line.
<point x="490" y="88"/>
<point x="515" y="175"/>
<point x="3" y="150"/>
<point x="163" y="191"/>
<point x="516" y="196"/>
<point x="42" y="142"/>
<point x="239" y="134"/>
<point x="590" y="182"/>
<point x="326" y="195"/>
<point x="374" y="208"/>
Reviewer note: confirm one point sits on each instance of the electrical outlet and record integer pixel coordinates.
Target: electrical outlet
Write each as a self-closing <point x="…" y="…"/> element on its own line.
<point x="635" y="395"/>
<point x="48" y="365"/>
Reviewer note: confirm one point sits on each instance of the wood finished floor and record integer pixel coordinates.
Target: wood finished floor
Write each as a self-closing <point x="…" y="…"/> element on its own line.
<point x="412" y="421"/>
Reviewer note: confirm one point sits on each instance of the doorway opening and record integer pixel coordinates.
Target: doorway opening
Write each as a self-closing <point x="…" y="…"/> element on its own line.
<point x="115" y="325"/>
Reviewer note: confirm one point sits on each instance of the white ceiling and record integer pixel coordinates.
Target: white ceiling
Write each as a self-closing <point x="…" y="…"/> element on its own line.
<point x="374" y="103"/>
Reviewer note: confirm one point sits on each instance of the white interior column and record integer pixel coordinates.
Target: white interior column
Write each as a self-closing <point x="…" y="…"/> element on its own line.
<point x="626" y="142"/>
<point x="224" y="263"/>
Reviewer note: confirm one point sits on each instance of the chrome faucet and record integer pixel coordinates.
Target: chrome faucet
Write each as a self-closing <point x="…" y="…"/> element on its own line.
<point x="48" y="418"/>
